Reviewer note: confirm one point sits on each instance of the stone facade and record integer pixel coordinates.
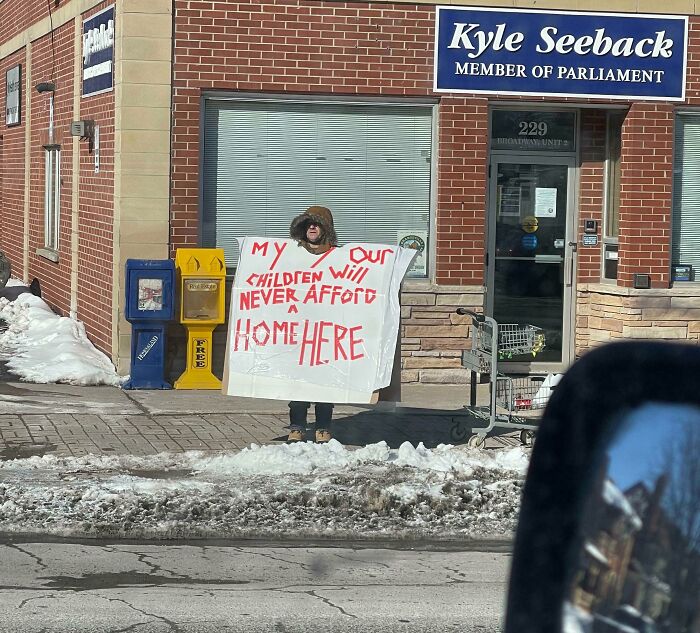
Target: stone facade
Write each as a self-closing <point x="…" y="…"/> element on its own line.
<point x="432" y="334"/>
<point x="609" y="313"/>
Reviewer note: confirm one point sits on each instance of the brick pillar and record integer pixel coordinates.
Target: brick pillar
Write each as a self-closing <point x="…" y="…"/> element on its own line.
<point x="645" y="194"/>
<point x="591" y="200"/>
<point x="461" y="212"/>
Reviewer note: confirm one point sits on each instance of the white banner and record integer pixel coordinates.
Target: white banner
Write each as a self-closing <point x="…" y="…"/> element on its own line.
<point x="321" y="328"/>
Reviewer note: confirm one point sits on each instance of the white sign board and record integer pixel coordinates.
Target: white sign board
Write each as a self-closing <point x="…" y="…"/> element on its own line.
<point x="13" y="83"/>
<point x="321" y="328"/>
<point x="545" y="202"/>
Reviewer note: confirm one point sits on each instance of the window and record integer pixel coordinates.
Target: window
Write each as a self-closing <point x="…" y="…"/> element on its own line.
<point x="612" y="194"/>
<point x="52" y="197"/>
<point x="267" y="161"/>
<point x="685" y="232"/>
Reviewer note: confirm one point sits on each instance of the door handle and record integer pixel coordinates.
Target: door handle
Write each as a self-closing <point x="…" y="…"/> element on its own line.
<point x="569" y="264"/>
<point x="548" y="259"/>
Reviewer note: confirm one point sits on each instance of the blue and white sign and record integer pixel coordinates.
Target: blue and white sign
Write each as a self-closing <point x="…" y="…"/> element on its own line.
<point x="558" y="53"/>
<point x="98" y="52"/>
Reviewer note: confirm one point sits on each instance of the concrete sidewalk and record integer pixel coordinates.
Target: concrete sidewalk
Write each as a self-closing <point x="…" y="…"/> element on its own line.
<point x="65" y="420"/>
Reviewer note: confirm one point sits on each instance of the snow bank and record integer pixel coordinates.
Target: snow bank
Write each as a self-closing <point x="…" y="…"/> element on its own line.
<point x="300" y="490"/>
<point x="40" y="346"/>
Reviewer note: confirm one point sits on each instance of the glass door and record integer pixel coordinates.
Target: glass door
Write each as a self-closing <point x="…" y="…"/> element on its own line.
<point x="531" y="255"/>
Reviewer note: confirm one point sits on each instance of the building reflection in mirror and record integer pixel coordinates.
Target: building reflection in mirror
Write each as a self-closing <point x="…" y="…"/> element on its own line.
<point x="639" y="565"/>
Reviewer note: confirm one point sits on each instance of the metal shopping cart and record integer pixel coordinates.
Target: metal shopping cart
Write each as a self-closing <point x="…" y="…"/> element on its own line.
<point x="513" y="400"/>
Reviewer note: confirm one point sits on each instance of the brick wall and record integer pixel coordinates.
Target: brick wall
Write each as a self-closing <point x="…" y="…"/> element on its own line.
<point x="645" y="193"/>
<point x="591" y="199"/>
<point x="461" y="214"/>
<point x="52" y="60"/>
<point x="15" y="17"/>
<point x="96" y="220"/>
<point x="373" y="49"/>
<point x="12" y="176"/>
<point x="692" y="80"/>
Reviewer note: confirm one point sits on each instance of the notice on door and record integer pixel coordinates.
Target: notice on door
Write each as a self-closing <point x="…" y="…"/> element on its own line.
<point x="545" y="202"/>
<point x="509" y="201"/>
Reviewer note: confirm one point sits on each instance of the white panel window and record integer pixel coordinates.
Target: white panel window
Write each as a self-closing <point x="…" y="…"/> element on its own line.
<point x="685" y="235"/>
<point x="52" y="197"/>
<point x="265" y="162"/>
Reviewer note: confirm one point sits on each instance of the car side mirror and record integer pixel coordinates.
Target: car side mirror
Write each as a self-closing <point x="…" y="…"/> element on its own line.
<point x="608" y="539"/>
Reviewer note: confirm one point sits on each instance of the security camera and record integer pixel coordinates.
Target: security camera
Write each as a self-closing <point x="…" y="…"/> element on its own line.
<point x="46" y="86"/>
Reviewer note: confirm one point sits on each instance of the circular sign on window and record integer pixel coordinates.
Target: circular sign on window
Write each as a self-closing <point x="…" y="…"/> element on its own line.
<point x="530" y="224"/>
<point x="413" y="241"/>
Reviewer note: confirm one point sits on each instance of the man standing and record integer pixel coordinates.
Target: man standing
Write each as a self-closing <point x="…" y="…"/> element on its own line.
<point x="313" y="230"/>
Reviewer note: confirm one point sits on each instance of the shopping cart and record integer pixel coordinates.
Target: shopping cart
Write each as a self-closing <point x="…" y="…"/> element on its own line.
<point x="513" y="400"/>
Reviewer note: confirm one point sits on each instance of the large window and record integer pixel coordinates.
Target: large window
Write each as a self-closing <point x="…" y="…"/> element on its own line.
<point x="685" y="236"/>
<point x="52" y="197"/>
<point x="612" y="194"/>
<point x="267" y="161"/>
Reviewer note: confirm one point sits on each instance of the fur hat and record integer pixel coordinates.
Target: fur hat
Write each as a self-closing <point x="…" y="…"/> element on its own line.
<point x="318" y="215"/>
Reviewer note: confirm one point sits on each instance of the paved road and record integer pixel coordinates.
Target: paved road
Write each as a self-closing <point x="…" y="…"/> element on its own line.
<point x="187" y="587"/>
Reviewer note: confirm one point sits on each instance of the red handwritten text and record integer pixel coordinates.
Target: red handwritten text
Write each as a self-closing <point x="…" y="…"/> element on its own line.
<point x="263" y="333"/>
<point x="260" y="246"/>
<point x="326" y="293"/>
<point x="275" y="280"/>
<point x="280" y="249"/>
<point x="352" y="273"/>
<point x="252" y="299"/>
<point x="358" y="255"/>
<point x="323" y="340"/>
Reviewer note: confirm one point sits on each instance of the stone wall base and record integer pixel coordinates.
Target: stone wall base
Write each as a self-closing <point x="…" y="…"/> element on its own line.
<point x="433" y="335"/>
<point x="606" y="313"/>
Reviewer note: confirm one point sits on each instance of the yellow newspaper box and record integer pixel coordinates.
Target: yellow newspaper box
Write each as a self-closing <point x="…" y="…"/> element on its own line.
<point x="202" y="276"/>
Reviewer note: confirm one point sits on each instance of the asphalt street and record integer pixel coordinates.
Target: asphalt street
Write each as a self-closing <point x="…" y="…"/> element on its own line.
<point x="71" y="587"/>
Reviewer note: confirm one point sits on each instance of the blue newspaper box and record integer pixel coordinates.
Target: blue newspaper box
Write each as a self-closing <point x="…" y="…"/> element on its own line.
<point x="150" y="304"/>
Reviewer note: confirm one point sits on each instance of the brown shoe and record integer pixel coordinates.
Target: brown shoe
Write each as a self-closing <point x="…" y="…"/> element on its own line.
<point x="295" y="435"/>
<point x="323" y="436"/>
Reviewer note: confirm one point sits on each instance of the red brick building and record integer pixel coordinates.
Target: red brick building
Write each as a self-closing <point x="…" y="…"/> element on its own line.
<point x="226" y="118"/>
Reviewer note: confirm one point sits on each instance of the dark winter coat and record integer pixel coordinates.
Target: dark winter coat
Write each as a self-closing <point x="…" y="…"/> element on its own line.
<point x="321" y="216"/>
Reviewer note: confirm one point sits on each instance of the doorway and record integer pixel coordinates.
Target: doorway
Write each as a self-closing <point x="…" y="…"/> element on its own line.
<point x="532" y="253"/>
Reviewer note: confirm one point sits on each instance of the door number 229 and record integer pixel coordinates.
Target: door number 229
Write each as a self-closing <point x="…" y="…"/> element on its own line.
<point x="532" y="128"/>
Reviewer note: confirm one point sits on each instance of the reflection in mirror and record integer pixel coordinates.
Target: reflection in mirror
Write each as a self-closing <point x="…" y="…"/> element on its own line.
<point x="639" y="564"/>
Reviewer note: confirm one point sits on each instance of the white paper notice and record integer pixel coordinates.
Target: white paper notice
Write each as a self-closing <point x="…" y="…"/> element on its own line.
<point x="545" y="202"/>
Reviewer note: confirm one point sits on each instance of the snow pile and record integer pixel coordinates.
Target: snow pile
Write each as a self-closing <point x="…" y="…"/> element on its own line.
<point x="300" y="490"/>
<point x="40" y="346"/>
<point x="305" y="458"/>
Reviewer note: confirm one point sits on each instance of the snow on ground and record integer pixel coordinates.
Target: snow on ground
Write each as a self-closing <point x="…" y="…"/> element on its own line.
<point x="300" y="490"/>
<point x="40" y="346"/>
